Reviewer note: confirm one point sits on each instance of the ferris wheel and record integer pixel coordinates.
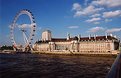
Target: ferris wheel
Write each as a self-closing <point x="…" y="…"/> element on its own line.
<point x="27" y="31"/>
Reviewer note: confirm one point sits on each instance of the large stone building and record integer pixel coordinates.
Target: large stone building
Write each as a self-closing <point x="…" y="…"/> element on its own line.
<point x="96" y="44"/>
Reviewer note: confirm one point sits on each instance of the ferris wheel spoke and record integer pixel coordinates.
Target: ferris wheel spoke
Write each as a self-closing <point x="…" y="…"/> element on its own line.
<point x="25" y="38"/>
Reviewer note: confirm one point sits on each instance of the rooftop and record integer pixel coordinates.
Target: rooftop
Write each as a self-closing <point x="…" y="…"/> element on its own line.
<point x="79" y="39"/>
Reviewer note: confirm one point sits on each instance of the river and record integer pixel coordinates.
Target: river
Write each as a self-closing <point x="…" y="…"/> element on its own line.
<point x="53" y="66"/>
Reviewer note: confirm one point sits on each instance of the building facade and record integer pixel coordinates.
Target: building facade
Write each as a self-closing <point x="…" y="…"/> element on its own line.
<point x="98" y="44"/>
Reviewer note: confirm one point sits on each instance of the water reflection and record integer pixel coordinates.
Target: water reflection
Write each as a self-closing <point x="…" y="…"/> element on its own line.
<point x="53" y="66"/>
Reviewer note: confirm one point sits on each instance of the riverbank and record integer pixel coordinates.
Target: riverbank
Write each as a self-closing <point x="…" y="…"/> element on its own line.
<point x="76" y="53"/>
<point x="64" y="53"/>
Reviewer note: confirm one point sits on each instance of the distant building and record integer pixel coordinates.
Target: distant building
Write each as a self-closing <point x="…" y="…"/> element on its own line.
<point x="98" y="44"/>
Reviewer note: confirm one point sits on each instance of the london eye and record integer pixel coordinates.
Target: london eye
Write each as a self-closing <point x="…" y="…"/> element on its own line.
<point x="23" y="32"/>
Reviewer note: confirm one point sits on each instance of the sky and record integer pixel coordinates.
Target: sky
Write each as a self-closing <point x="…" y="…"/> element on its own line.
<point x="82" y="17"/>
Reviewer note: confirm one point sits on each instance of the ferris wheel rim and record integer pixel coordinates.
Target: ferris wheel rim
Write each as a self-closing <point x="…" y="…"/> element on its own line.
<point x="32" y="32"/>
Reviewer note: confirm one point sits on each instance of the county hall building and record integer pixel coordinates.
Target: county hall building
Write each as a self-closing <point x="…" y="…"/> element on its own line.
<point x="95" y="44"/>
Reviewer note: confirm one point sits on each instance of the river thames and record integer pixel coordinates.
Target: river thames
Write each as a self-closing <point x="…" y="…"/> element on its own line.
<point x="54" y="66"/>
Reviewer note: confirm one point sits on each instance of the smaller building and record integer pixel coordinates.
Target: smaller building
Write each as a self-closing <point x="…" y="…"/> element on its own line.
<point x="96" y="44"/>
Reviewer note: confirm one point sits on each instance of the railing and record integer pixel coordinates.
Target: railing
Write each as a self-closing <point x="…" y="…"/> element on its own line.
<point x="115" y="71"/>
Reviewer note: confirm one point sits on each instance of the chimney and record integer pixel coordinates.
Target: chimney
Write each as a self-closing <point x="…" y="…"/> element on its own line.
<point x="79" y="37"/>
<point x="106" y="35"/>
<point x="68" y="36"/>
<point x="90" y="36"/>
<point x="115" y="36"/>
<point x="111" y="35"/>
<point x="94" y="36"/>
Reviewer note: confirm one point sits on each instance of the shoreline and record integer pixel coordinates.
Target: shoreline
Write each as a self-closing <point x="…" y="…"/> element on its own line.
<point x="76" y="53"/>
<point x="65" y="53"/>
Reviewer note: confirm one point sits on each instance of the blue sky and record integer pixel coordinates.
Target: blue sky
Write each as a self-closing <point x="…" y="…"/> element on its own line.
<point x="61" y="16"/>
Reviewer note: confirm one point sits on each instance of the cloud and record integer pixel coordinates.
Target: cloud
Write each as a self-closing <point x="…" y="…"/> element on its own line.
<point x="91" y="9"/>
<point x="76" y="6"/>
<point x="113" y="30"/>
<point x="95" y="15"/>
<point x="78" y="13"/>
<point x="112" y="14"/>
<point x="22" y="25"/>
<point x="93" y="20"/>
<point x="108" y="20"/>
<point x="87" y="11"/>
<point x="73" y="27"/>
<point x="96" y="29"/>
<point x="96" y="22"/>
<point x="97" y="10"/>
<point x="26" y="25"/>
<point x="107" y="3"/>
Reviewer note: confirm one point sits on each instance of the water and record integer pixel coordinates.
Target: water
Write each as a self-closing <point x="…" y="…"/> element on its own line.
<point x="53" y="66"/>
